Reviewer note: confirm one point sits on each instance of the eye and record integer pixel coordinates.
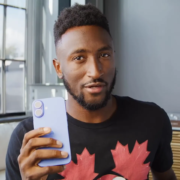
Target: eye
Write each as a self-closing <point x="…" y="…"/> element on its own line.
<point x="78" y="58"/>
<point x="104" y="55"/>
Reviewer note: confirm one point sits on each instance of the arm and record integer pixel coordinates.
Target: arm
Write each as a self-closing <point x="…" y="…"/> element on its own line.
<point x="30" y="155"/>
<point x="44" y="177"/>
<point x="25" y="151"/>
<point x="167" y="175"/>
<point x="162" y="165"/>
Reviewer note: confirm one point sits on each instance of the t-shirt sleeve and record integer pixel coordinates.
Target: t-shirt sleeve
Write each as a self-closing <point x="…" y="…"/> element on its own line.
<point x="12" y="167"/>
<point x="164" y="158"/>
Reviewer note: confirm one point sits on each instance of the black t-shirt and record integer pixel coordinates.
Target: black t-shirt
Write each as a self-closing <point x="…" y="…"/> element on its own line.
<point x="136" y="138"/>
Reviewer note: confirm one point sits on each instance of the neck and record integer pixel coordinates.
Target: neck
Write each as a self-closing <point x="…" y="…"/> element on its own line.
<point x="78" y="112"/>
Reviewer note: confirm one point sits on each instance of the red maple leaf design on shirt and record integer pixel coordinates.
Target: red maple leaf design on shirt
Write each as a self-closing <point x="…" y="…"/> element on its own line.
<point x="83" y="169"/>
<point x="131" y="165"/>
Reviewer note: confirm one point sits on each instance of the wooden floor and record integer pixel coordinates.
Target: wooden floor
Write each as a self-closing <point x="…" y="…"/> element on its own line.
<point x="176" y="154"/>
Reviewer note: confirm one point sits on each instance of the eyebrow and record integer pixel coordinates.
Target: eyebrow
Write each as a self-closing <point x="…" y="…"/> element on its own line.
<point x="99" y="50"/>
<point x="79" y="51"/>
<point x="105" y="48"/>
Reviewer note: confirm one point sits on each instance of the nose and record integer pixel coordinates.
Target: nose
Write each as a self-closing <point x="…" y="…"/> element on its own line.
<point x="94" y="68"/>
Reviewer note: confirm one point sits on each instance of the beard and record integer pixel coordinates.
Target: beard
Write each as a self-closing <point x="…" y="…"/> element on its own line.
<point x="81" y="100"/>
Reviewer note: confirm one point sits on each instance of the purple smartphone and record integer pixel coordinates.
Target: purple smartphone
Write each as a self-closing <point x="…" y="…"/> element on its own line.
<point x="51" y="112"/>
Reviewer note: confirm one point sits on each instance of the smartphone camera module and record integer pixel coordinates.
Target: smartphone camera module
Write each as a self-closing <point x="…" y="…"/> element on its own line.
<point x="38" y="108"/>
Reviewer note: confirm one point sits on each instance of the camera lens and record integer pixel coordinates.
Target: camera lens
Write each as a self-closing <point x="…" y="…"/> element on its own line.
<point x="37" y="104"/>
<point x="38" y="112"/>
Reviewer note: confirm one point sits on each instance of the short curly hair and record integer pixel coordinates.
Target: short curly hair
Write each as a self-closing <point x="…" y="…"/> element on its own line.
<point x="79" y="15"/>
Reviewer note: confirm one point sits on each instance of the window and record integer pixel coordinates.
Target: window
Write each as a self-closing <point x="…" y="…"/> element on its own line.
<point x="0" y="82"/>
<point x="12" y="56"/>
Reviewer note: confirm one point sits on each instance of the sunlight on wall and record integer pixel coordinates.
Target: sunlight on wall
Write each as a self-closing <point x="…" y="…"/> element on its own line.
<point x="51" y="6"/>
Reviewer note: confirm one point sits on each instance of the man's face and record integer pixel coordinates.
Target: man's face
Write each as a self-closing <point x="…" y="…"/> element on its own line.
<point x="86" y="59"/>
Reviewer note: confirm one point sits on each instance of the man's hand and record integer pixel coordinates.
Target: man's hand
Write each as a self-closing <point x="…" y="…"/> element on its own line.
<point x="30" y="156"/>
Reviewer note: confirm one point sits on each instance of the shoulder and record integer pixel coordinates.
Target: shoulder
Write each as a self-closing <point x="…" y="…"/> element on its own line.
<point x="17" y="137"/>
<point x="143" y="109"/>
<point x="23" y="127"/>
<point x="130" y="103"/>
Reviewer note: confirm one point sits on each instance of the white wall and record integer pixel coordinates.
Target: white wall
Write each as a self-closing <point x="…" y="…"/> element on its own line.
<point x="147" y="41"/>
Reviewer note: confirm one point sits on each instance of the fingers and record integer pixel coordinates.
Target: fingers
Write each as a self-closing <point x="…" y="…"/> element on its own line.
<point x="35" y="133"/>
<point x="40" y="142"/>
<point x="40" y="154"/>
<point x="30" y="155"/>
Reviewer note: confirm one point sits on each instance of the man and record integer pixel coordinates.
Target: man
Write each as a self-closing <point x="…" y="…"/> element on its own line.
<point x="111" y="137"/>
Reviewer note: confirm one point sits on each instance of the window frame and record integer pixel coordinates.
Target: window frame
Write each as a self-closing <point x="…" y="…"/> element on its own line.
<point x="3" y="59"/>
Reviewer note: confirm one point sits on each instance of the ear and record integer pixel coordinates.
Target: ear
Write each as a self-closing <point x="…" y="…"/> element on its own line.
<point x="57" y="67"/>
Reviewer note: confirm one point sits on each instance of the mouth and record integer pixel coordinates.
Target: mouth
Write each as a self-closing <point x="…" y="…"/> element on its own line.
<point x="95" y="87"/>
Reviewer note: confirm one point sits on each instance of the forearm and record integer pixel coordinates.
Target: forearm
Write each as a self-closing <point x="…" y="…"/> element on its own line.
<point x="44" y="177"/>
